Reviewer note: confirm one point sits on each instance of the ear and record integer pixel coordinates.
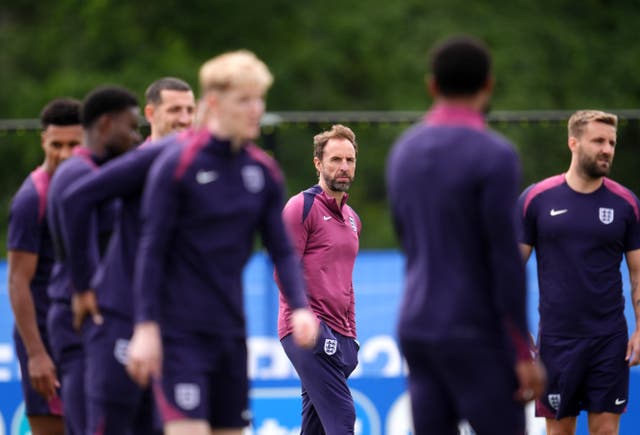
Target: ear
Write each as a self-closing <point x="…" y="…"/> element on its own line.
<point x="211" y="99"/>
<point x="432" y="86"/>
<point x="317" y="163"/>
<point x="43" y="139"/>
<point x="572" y="143"/>
<point x="103" y="124"/>
<point x="488" y="86"/>
<point x="149" y="110"/>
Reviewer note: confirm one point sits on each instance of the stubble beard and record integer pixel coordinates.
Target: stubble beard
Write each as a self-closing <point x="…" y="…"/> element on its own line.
<point x="592" y="169"/>
<point x="338" y="186"/>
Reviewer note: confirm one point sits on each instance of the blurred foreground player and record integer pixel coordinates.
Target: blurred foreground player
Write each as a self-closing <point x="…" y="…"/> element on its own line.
<point x="30" y="257"/>
<point x="452" y="185"/>
<point x="117" y="405"/>
<point x="581" y="224"/>
<point x="110" y="123"/>
<point x="205" y="198"/>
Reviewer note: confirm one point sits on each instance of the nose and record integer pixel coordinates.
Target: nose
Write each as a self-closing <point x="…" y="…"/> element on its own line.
<point x="65" y="152"/>
<point x="185" y="118"/>
<point x="608" y="149"/>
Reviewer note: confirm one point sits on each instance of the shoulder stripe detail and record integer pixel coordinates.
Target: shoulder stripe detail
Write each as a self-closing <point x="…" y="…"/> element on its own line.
<point x="537" y="189"/>
<point x="309" y="196"/>
<point x="40" y="179"/>
<point x="194" y="141"/>
<point x="85" y="154"/>
<point x="618" y="189"/>
<point x="257" y="154"/>
<point x="454" y="116"/>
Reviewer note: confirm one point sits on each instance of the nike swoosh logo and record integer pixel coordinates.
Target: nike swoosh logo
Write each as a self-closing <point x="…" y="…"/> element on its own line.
<point x="557" y="212"/>
<point x="326" y="218"/>
<point x="620" y="402"/>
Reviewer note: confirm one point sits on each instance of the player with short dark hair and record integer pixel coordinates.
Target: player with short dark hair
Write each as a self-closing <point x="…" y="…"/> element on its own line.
<point x="119" y="405"/>
<point x="205" y="197"/>
<point x="61" y="111"/>
<point x="170" y="106"/>
<point x="110" y="121"/>
<point x="325" y="232"/>
<point x="581" y="223"/>
<point x="452" y="186"/>
<point x="446" y="66"/>
<point x="30" y="257"/>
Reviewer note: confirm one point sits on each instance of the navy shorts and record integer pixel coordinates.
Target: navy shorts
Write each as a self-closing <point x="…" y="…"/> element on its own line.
<point x="327" y="404"/>
<point x="462" y="380"/>
<point x="112" y="418"/>
<point x="116" y="404"/>
<point x="204" y="377"/>
<point x="34" y="403"/>
<point x="68" y="354"/>
<point x="584" y="374"/>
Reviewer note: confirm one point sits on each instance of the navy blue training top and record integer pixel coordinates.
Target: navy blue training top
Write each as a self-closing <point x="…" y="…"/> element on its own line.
<point x="202" y="205"/>
<point x="579" y="240"/>
<point x="28" y="232"/>
<point x="79" y="164"/>
<point x="452" y="186"/>
<point x="122" y="178"/>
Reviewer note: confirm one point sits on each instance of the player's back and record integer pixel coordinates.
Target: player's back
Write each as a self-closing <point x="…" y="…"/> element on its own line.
<point x="452" y="190"/>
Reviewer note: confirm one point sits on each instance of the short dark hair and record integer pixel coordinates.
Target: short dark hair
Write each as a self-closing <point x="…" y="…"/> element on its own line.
<point x="61" y="111"/>
<point x="460" y="65"/>
<point x="106" y="99"/>
<point x="153" y="94"/>
<point x="338" y="131"/>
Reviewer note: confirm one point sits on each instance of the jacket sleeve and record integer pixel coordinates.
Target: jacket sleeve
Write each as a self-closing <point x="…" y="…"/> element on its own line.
<point x="278" y="244"/>
<point x="498" y="199"/>
<point x="159" y="221"/>
<point x="119" y="178"/>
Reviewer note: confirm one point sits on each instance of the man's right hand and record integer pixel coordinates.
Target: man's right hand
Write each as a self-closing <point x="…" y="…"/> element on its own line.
<point x="42" y="375"/>
<point x="144" y="354"/>
<point x="85" y="304"/>
<point x="305" y="327"/>
<point x="532" y="380"/>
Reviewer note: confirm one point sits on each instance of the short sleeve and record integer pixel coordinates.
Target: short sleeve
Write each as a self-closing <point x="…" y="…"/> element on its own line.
<point x="25" y="224"/>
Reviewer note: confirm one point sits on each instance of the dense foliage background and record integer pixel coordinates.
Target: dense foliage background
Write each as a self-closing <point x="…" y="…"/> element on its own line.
<point x="330" y="55"/>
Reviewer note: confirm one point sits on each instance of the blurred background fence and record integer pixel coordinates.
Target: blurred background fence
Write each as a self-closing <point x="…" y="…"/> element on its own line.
<point x="540" y="137"/>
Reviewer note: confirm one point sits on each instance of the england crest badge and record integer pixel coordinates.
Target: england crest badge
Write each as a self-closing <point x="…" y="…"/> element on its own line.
<point x="554" y="401"/>
<point x="253" y="178"/>
<point x="605" y="215"/>
<point x="330" y="346"/>
<point x="120" y="350"/>
<point x="187" y="396"/>
<point x="352" y="222"/>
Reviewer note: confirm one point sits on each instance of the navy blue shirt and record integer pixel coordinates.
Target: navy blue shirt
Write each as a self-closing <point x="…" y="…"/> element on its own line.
<point x="81" y="163"/>
<point x="202" y="205"/>
<point x="579" y="240"/>
<point x="453" y="185"/>
<point x="28" y="232"/>
<point x="121" y="178"/>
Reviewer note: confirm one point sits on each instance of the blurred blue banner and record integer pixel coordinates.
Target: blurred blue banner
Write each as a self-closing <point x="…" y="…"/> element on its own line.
<point x="378" y="384"/>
